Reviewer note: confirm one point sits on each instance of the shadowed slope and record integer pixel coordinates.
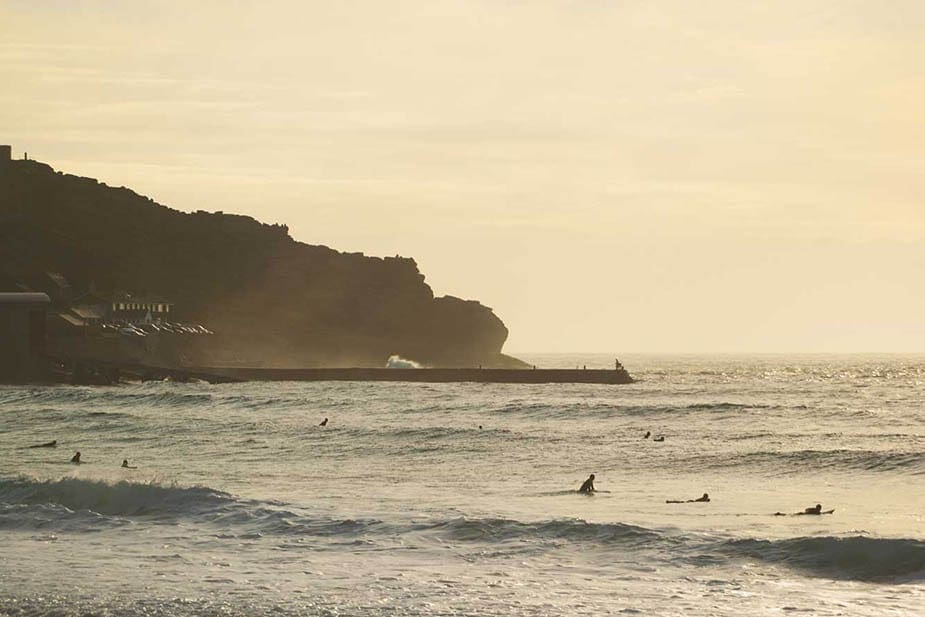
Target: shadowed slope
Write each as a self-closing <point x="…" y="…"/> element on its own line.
<point x="271" y="299"/>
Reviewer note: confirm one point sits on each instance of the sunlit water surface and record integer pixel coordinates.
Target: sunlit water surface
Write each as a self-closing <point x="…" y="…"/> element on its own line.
<point x="459" y="499"/>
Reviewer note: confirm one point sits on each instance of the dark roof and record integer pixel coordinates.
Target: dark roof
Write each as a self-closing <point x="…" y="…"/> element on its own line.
<point x="58" y="279"/>
<point x="74" y="321"/>
<point x="31" y="298"/>
<point x="87" y="311"/>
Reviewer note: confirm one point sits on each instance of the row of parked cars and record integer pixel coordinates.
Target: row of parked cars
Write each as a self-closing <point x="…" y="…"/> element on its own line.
<point x="130" y="329"/>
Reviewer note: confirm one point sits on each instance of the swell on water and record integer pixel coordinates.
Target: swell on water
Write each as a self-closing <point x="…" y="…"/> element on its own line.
<point x="222" y="515"/>
<point x="911" y="462"/>
<point x="575" y="530"/>
<point x="852" y="558"/>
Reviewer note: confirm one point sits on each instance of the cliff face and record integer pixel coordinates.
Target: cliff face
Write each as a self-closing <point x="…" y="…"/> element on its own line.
<point x="272" y="300"/>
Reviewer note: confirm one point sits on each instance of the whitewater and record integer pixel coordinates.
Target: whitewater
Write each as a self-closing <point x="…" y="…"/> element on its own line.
<point x="460" y="499"/>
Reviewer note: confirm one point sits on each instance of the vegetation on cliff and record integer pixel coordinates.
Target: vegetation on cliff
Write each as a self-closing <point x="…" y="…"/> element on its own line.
<point x="274" y="300"/>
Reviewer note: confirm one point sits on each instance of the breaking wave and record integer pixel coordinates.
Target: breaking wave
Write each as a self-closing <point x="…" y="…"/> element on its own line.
<point x="118" y="499"/>
<point x="51" y="506"/>
<point x="399" y="362"/>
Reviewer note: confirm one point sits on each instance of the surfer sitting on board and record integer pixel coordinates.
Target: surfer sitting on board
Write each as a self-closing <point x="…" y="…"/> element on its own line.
<point x="588" y="485"/>
<point x="76" y="459"/>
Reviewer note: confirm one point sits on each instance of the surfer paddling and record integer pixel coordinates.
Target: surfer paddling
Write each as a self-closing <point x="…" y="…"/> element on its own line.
<point x="816" y="509"/>
<point x="588" y="485"/>
<point x="812" y="511"/>
<point x="49" y="444"/>
<point x="702" y="499"/>
<point x="125" y="464"/>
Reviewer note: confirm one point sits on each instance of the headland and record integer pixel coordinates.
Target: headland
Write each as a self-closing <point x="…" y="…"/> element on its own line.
<point x="128" y="282"/>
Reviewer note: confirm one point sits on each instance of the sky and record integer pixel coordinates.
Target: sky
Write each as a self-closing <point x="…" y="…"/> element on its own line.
<point x="611" y="176"/>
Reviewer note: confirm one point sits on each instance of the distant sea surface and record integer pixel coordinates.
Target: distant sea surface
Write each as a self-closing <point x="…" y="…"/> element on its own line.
<point x="460" y="499"/>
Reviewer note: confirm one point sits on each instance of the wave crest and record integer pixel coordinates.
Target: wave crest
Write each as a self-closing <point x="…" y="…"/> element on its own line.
<point x="114" y="499"/>
<point x="853" y="558"/>
<point x="500" y="530"/>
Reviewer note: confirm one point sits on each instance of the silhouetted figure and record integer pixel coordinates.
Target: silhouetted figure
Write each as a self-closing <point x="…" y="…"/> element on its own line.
<point x="125" y="464"/>
<point x="646" y="436"/>
<point x="76" y="459"/>
<point x="324" y="422"/>
<point x="588" y="485"/>
<point x="480" y="427"/>
<point x="813" y="510"/>
<point x="50" y="444"/>
<point x="702" y="499"/>
<point x="659" y="438"/>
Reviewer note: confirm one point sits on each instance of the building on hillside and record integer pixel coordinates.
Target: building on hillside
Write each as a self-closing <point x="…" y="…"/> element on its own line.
<point x="139" y="309"/>
<point x="91" y="308"/>
<point x="57" y="287"/>
<point x="22" y="335"/>
<point x="121" y="307"/>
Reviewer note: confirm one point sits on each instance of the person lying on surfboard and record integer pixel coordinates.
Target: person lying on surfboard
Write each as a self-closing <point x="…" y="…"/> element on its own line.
<point x="812" y="510"/>
<point x="702" y="499"/>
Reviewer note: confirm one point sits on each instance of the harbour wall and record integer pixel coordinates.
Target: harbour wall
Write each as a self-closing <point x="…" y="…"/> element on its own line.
<point x="428" y="375"/>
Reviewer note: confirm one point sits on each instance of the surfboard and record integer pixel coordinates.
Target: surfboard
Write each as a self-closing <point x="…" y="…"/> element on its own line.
<point x="50" y="444"/>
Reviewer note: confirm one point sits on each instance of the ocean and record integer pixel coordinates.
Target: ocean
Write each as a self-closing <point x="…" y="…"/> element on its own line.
<point x="460" y="499"/>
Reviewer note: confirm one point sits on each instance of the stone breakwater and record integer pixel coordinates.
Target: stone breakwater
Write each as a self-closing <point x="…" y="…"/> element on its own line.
<point x="431" y="375"/>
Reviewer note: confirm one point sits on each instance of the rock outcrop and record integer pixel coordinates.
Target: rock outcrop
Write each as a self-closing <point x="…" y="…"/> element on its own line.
<point x="272" y="301"/>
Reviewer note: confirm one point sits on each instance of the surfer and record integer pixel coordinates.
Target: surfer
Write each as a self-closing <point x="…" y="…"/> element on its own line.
<point x="812" y="511"/>
<point x="646" y="436"/>
<point x="702" y="499"/>
<point x="50" y="444"/>
<point x="76" y="459"/>
<point x="125" y="464"/>
<point x="588" y="485"/>
<point x="659" y="438"/>
<point x="324" y="422"/>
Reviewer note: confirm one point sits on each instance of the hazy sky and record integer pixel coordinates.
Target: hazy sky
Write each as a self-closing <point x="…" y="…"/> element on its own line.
<point x="607" y="175"/>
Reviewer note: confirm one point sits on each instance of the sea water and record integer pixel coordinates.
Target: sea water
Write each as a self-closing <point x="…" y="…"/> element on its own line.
<point x="460" y="499"/>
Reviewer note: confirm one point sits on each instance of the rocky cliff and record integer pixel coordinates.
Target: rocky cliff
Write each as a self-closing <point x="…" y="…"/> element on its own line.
<point x="273" y="301"/>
